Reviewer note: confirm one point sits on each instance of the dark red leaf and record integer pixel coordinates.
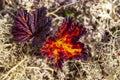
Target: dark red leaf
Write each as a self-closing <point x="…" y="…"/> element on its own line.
<point x="31" y="25"/>
<point x="23" y="26"/>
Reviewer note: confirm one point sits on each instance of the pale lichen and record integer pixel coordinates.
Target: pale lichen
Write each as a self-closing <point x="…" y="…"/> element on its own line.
<point x="18" y="61"/>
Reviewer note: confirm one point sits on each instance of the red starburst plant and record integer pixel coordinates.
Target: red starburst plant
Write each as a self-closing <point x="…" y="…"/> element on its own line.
<point x="65" y="45"/>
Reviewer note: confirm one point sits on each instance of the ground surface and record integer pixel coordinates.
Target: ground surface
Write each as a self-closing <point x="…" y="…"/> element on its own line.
<point x="20" y="61"/>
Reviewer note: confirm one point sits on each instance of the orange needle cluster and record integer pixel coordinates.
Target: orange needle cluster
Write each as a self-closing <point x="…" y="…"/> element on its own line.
<point x="65" y="45"/>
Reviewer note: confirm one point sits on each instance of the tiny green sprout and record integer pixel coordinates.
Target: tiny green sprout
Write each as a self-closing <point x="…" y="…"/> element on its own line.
<point x="68" y="13"/>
